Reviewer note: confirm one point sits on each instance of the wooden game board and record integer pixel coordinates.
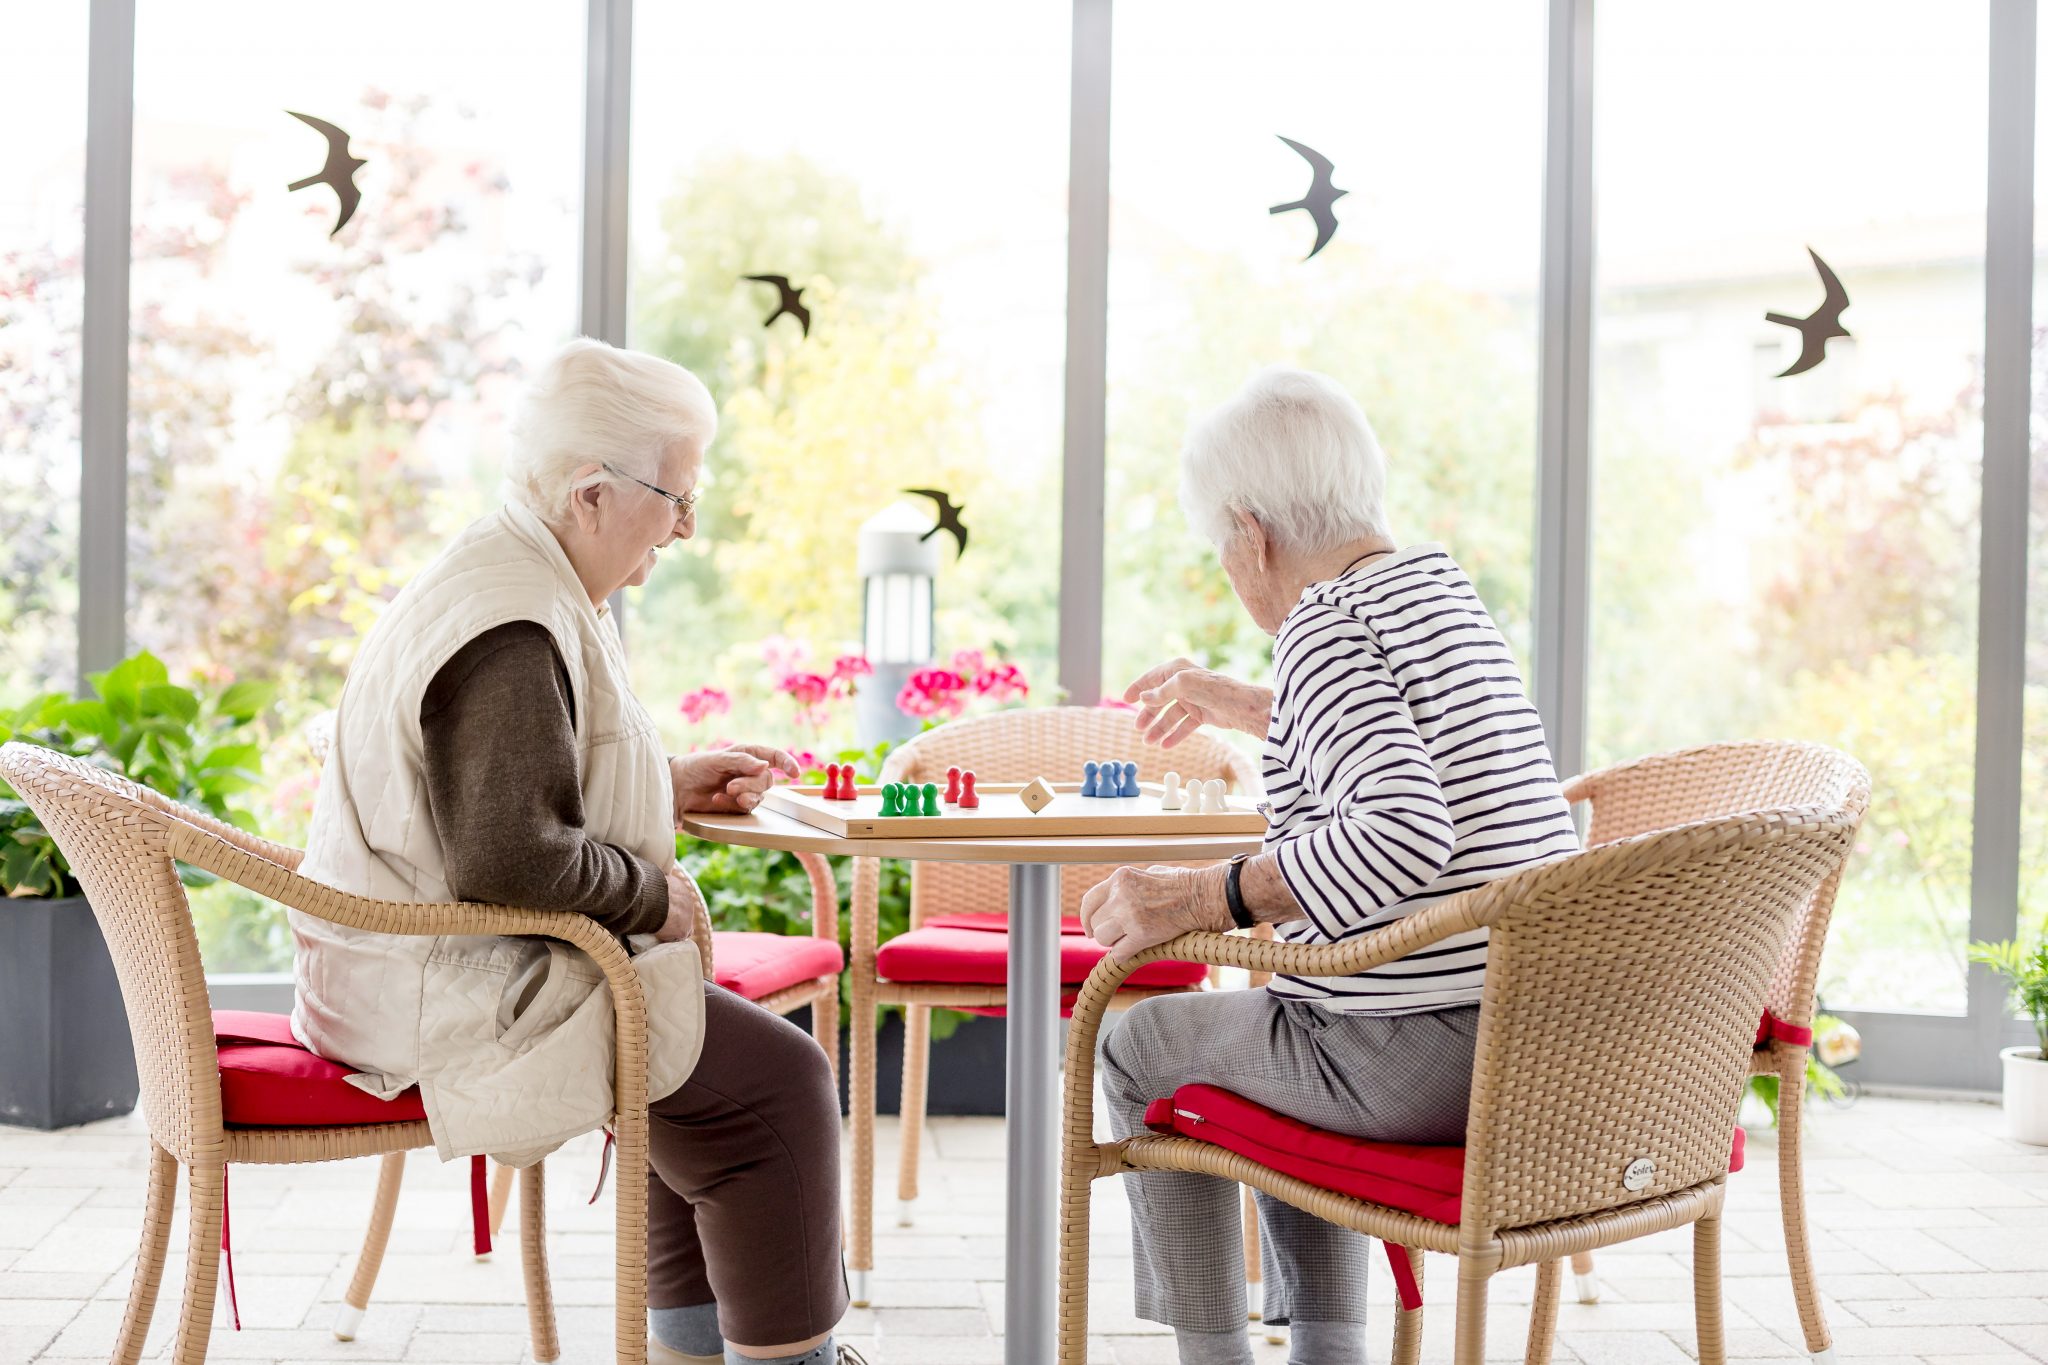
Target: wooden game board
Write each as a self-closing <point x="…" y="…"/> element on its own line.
<point x="1002" y="815"/>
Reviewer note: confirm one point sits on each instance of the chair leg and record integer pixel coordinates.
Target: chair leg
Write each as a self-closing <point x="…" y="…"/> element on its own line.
<point x="149" y="1256"/>
<point x="861" y="1099"/>
<point x="533" y="1257"/>
<point x="1792" y="1207"/>
<point x="370" y="1260"/>
<point x="917" y="1065"/>
<point x="1255" y="1289"/>
<point x="1408" y="1322"/>
<point x="1583" y="1277"/>
<point x="825" y="1026"/>
<point x="1075" y="1182"/>
<point x="207" y="1188"/>
<point x="501" y="1195"/>
<point x="1473" y="1281"/>
<point x="1706" y="1289"/>
<point x="1543" y="1313"/>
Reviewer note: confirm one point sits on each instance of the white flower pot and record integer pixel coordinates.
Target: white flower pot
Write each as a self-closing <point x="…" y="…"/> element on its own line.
<point x="2026" y="1094"/>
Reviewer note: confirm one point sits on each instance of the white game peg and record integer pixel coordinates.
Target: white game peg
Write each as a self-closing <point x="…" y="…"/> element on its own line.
<point x="1169" y="794"/>
<point x="1212" y="797"/>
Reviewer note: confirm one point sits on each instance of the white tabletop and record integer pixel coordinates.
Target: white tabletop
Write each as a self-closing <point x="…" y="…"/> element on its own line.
<point x="770" y="829"/>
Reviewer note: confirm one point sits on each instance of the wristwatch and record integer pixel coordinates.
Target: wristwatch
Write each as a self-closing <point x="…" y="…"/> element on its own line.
<point x="1234" y="893"/>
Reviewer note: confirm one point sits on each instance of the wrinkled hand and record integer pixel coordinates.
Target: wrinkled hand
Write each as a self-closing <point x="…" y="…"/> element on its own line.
<point x="723" y="781"/>
<point x="682" y="909"/>
<point x="1179" y="697"/>
<point x="1132" y="910"/>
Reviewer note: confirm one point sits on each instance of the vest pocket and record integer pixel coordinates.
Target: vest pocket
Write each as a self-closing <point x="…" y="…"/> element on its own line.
<point x="541" y="992"/>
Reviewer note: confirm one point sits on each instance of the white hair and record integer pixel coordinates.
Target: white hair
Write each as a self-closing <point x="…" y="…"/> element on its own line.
<point x="1294" y="450"/>
<point x="596" y="404"/>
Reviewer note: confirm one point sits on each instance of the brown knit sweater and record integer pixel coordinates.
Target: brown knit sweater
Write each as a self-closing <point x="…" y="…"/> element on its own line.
<point x="499" y="725"/>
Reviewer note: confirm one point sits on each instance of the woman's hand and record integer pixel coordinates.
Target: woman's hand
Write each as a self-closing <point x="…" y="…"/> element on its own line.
<point x="1178" y="698"/>
<point x="1132" y="910"/>
<point x="722" y="781"/>
<point x="682" y="909"/>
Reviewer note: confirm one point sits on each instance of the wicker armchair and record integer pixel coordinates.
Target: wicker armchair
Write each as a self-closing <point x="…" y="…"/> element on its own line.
<point x="782" y="975"/>
<point x="121" y="841"/>
<point x="1684" y="785"/>
<point x="1622" y="991"/>
<point x="1009" y="746"/>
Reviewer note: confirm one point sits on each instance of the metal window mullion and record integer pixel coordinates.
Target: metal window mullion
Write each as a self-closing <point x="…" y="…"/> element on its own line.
<point x="2002" y="563"/>
<point x="1082" y="466"/>
<point x="1564" y="403"/>
<point x="607" y="119"/>
<point x="103" y="342"/>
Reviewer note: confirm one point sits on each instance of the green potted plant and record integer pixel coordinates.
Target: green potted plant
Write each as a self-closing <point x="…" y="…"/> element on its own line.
<point x="2026" y="1068"/>
<point x="65" y="1056"/>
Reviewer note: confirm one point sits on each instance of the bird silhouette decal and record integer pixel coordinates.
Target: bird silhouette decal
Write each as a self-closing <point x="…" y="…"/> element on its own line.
<point x="791" y="302"/>
<point x="1321" y="195"/>
<point x="949" y="518"/>
<point x="1817" y="328"/>
<point x="340" y="170"/>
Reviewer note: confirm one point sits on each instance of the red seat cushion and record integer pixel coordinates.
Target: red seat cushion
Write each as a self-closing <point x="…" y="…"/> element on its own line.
<point x="997" y="923"/>
<point x="976" y="956"/>
<point x="267" y="1080"/>
<point x="755" y="965"/>
<point x="1425" y="1181"/>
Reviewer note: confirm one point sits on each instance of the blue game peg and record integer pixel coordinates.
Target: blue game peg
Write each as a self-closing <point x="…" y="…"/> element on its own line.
<point x="1130" y="786"/>
<point x="1089" y="773"/>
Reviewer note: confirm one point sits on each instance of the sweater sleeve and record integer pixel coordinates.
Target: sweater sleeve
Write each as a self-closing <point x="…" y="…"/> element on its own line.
<point x="498" y="726"/>
<point x="1390" y="835"/>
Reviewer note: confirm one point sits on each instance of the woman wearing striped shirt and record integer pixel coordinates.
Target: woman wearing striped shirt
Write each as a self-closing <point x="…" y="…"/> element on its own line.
<point x="1404" y="764"/>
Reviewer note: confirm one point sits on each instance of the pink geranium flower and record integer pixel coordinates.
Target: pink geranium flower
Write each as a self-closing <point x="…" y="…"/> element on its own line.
<point x="933" y="692"/>
<point x="1002" y="682"/>
<point x="704" y="703"/>
<point x="968" y="662"/>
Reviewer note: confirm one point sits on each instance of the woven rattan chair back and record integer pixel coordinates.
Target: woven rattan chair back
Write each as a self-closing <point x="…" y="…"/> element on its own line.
<point x="1622" y="986"/>
<point x="1680" y="786"/>
<point x="1050" y="742"/>
<point x="116" y="837"/>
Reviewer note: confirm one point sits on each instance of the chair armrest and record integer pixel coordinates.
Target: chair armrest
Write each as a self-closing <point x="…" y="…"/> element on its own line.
<point x="284" y="855"/>
<point x="1468" y="910"/>
<point x="700" y="918"/>
<point x="227" y="859"/>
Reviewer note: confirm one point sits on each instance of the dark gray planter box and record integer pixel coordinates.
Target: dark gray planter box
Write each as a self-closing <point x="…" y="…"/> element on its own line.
<point x="967" y="1068"/>
<point x="65" y="1055"/>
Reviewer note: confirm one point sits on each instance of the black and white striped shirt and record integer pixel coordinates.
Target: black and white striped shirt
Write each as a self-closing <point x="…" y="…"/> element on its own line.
<point x="1403" y="763"/>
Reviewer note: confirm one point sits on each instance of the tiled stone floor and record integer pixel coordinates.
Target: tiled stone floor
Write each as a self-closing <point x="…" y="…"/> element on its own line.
<point x="1932" y="1231"/>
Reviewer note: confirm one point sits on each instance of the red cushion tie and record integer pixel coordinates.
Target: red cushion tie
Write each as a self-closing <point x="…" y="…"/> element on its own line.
<point x="479" y="1206"/>
<point x="227" y="1251"/>
<point x="604" y="1164"/>
<point x="1405" y="1284"/>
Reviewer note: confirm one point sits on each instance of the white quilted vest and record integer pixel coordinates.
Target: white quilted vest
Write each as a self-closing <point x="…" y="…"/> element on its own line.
<point x="509" y="1039"/>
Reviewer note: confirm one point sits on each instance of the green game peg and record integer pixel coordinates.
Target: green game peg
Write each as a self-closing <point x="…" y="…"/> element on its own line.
<point x="931" y="798"/>
<point x="892" y="799"/>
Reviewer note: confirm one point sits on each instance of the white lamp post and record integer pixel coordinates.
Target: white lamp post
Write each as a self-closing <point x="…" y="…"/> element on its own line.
<point x="897" y="570"/>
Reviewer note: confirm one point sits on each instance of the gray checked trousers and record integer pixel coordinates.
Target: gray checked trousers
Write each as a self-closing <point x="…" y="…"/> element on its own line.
<point x="1397" y="1078"/>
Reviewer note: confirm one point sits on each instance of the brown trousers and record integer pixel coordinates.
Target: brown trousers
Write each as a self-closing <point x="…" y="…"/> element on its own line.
<point x="743" y="1190"/>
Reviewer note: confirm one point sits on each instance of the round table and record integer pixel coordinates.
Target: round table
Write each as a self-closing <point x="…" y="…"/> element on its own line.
<point x="1032" y="1038"/>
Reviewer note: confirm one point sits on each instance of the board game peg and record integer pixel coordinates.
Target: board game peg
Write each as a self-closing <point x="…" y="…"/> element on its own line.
<point x="1214" y="803"/>
<point x="931" y="799"/>
<point x="1036" y="796"/>
<point x="968" y="799"/>
<point x="1130" y="783"/>
<point x="892" y="799"/>
<point x="1169" y="793"/>
<point x="1089" y="773"/>
<point x="831" y="782"/>
<point x="952" y="786"/>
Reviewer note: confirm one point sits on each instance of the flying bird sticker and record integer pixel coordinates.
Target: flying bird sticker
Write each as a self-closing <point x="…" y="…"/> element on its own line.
<point x="1321" y="195"/>
<point x="949" y="518"/>
<point x="1817" y="328"/>
<point x="790" y="302"/>
<point x="340" y="170"/>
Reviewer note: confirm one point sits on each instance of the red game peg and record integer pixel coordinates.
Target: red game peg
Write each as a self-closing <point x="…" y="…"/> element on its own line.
<point x="952" y="797"/>
<point x="832" y="782"/>
<point x="968" y="800"/>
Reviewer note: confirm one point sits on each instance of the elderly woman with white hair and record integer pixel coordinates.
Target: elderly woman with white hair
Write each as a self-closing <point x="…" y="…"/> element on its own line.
<point x="1404" y="764"/>
<point x="488" y="748"/>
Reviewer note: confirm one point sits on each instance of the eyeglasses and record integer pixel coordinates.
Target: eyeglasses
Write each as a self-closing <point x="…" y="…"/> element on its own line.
<point x="684" y="503"/>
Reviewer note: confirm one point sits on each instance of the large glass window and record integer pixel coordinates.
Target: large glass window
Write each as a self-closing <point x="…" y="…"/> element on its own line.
<point x="42" y="220"/>
<point x="1797" y="555"/>
<point x="908" y="174"/>
<point x="1422" y="304"/>
<point x="312" y="411"/>
<point x="2033" y="901"/>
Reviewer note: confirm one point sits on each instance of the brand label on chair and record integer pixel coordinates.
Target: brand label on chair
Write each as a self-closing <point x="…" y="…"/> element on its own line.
<point x="1639" y="1174"/>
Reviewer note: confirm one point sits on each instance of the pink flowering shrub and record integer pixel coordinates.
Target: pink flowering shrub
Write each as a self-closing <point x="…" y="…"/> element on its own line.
<point x="704" y="703"/>
<point x="937" y="694"/>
